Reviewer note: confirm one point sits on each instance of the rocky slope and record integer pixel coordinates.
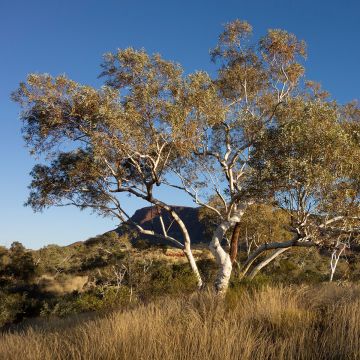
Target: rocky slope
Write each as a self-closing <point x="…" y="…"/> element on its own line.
<point x="149" y="219"/>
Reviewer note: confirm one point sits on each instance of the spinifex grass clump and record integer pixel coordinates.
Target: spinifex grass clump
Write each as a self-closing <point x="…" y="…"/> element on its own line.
<point x="317" y="322"/>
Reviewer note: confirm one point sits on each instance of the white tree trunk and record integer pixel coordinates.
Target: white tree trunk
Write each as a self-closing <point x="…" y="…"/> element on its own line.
<point x="221" y="256"/>
<point x="295" y="241"/>
<point x="335" y="256"/>
<point x="265" y="262"/>
<point x="187" y="248"/>
<point x="188" y="253"/>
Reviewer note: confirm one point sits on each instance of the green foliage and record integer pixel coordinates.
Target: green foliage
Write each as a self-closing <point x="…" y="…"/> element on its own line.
<point x="254" y="133"/>
<point x="128" y="276"/>
<point x="11" y="307"/>
<point x="17" y="262"/>
<point x="175" y="279"/>
<point x="100" y="250"/>
<point x="96" y="300"/>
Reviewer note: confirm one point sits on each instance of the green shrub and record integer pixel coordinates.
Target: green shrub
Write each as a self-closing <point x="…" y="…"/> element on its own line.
<point x="96" y="300"/>
<point x="11" y="307"/>
<point x="21" y="264"/>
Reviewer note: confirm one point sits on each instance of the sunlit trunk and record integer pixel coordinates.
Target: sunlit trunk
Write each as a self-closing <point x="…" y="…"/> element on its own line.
<point x="187" y="248"/>
<point x="222" y="258"/>
<point x="189" y="255"/>
<point x="335" y="256"/>
<point x="265" y="262"/>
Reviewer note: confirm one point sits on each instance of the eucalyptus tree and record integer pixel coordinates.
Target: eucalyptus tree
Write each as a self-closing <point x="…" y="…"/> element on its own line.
<point x="252" y="134"/>
<point x="97" y="144"/>
<point x="308" y="162"/>
<point x="260" y="116"/>
<point x="254" y="80"/>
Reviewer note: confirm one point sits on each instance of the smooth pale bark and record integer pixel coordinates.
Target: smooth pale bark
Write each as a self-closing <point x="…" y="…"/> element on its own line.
<point x="186" y="237"/>
<point x="296" y="241"/>
<point x="221" y="256"/>
<point x="335" y="256"/>
<point x="187" y="248"/>
<point x="266" y="261"/>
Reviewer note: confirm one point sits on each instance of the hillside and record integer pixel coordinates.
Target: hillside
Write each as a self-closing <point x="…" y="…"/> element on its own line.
<point x="149" y="219"/>
<point x="120" y="268"/>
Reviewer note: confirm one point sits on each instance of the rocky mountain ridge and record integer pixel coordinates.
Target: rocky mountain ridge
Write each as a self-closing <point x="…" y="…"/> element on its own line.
<point x="149" y="218"/>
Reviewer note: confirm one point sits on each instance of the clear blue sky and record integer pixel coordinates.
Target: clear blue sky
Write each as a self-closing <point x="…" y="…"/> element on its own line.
<point x="63" y="36"/>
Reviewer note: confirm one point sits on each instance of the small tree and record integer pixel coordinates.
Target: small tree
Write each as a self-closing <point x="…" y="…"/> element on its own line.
<point x="21" y="263"/>
<point x="309" y="165"/>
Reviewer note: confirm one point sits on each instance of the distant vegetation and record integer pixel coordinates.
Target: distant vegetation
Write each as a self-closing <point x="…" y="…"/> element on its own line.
<point x="114" y="271"/>
<point x="101" y="273"/>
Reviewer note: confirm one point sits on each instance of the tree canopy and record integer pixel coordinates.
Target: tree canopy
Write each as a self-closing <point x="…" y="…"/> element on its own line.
<point x="255" y="133"/>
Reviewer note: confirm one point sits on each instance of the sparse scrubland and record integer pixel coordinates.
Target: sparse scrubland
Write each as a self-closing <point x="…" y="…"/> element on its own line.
<point x="286" y="322"/>
<point x="108" y="272"/>
<point x="142" y="303"/>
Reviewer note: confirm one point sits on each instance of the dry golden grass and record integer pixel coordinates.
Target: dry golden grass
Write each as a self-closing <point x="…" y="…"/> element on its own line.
<point x="271" y="323"/>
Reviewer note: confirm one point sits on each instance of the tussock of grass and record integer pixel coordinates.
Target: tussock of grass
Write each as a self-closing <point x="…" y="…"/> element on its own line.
<point x="305" y="322"/>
